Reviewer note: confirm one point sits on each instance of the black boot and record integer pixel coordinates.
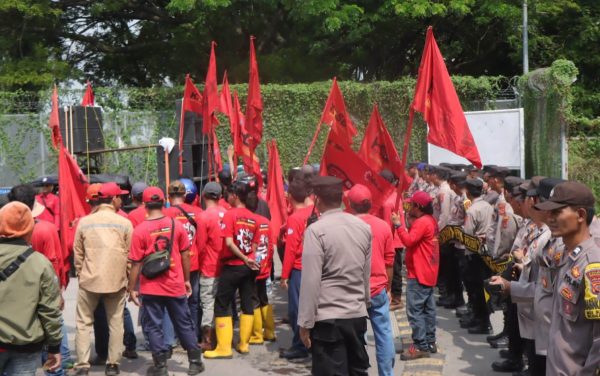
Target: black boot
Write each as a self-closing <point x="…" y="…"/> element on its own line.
<point x="160" y="365"/>
<point x="508" y="365"/>
<point x="195" y="359"/>
<point x="481" y="328"/>
<point x="499" y="343"/>
<point x="495" y="337"/>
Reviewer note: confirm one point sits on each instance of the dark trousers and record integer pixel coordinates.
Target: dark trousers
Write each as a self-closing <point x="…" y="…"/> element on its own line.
<point x="233" y="278"/>
<point x="179" y="312"/>
<point x="338" y="348"/>
<point x="261" y="298"/>
<point x="515" y="344"/>
<point x="477" y="273"/>
<point x="194" y="299"/>
<point x="445" y="255"/>
<point x="101" y="331"/>
<point x="293" y="304"/>
<point x="397" y="276"/>
<point x="453" y="281"/>
<point x="467" y="280"/>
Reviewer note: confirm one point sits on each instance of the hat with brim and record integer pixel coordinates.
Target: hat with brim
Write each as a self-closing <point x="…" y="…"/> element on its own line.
<point x="569" y="193"/>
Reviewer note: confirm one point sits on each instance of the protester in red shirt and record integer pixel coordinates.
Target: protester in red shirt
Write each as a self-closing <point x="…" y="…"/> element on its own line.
<point x="50" y="201"/>
<point x="166" y="291"/>
<point x="209" y="241"/>
<point x="388" y="207"/>
<point x="382" y="261"/>
<point x="422" y="265"/>
<point x="291" y="273"/>
<point x="188" y="216"/>
<point x="239" y="268"/>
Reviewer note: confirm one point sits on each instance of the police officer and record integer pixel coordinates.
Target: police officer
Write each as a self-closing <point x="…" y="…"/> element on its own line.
<point x="575" y="323"/>
<point x="477" y="223"/>
<point x="334" y="292"/>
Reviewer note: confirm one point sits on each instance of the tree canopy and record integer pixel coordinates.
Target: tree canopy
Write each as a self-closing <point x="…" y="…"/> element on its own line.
<point x="146" y="43"/>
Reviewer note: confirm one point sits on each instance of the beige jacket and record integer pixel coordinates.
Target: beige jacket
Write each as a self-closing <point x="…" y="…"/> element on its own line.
<point x="101" y="247"/>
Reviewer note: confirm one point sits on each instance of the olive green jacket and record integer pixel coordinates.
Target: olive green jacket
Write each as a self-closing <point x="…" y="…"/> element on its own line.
<point x="30" y="314"/>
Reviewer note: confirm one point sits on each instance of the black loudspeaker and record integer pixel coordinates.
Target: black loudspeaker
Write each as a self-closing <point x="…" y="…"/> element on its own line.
<point x="81" y="118"/>
<point x="192" y="131"/>
<point x="195" y="163"/>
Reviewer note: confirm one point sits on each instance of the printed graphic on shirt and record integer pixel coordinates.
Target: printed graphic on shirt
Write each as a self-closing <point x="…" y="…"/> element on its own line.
<point x="244" y="236"/>
<point x="592" y="291"/>
<point x="160" y="239"/>
<point x="262" y="250"/>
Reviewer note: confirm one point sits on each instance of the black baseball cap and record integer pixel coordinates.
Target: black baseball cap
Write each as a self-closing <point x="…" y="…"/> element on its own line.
<point x="569" y="193"/>
<point x="327" y="185"/>
<point x="547" y="185"/>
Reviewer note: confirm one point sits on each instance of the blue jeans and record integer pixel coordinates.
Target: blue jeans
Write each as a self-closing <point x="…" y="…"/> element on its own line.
<point x="18" y="364"/>
<point x="65" y="354"/>
<point x="154" y="315"/>
<point x="293" y="303"/>
<point x="420" y="311"/>
<point x="167" y="327"/>
<point x="194" y="299"/>
<point x="379" y="314"/>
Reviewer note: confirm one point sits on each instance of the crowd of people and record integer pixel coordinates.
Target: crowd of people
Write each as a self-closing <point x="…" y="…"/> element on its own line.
<point x="198" y="264"/>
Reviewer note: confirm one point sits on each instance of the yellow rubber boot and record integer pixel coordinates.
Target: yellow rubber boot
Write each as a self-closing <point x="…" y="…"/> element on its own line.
<point x="257" y="329"/>
<point x="246" y="324"/>
<point x="224" y="329"/>
<point x="268" y="322"/>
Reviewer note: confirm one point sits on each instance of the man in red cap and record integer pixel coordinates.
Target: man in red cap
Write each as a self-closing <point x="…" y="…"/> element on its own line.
<point x="422" y="266"/>
<point x="101" y="245"/>
<point x="168" y="290"/>
<point x="382" y="264"/>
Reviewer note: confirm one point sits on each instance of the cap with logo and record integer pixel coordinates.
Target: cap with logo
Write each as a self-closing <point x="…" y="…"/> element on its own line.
<point x="531" y="188"/>
<point x="569" y="193"/>
<point x="153" y="194"/>
<point x="547" y="185"/>
<point x="420" y="198"/>
<point x="111" y="189"/>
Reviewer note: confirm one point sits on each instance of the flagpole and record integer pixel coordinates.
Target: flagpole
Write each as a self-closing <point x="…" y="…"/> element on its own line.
<point x="409" y="126"/>
<point x="65" y="110"/>
<point x="71" y="127"/>
<point x="312" y="144"/>
<point x="181" y="122"/>
<point x="87" y="142"/>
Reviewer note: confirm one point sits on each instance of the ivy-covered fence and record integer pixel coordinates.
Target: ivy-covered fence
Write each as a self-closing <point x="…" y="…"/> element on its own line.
<point x="134" y="116"/>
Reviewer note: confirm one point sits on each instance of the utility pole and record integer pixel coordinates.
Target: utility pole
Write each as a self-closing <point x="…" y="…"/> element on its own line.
<point x="525" y="40"/>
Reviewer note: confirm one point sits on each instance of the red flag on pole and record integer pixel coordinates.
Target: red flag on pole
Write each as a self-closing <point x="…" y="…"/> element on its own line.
<point x="336" y="116"/>
<point x="275" y="192"/>
<point x="210" y="96"/>
<point x="192" y="101"/>
<point x="341" y="161"/>
<point x="237" y="118"/>
<point x="88" y="96"/>
<point x="254" y="105"/>
<point x="72" y="186"/>
<point x="218" y="161"/>
<point x="377" y="149"/>
<point x="226" y="104"/>
<point x="54" y="122"/>
<point x="436" y="99"/>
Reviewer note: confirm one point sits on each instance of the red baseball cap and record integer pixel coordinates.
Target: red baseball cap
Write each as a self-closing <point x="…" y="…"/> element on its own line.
<point x="420" y="198"/>
<point x="111" y="190"/>
<point x="359" y="193"/>
<point x="153" y="194"/>
<point x="92" y="191"/>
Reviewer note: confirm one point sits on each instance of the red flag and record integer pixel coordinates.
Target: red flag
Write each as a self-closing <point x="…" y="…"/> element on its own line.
<point x="237" y="119"/>
<point x="218" y="161"/>
<point x="192" y="101"/>
<point x="242" y="142"/>
<point x="225" y="105"/>
<point x="211" y="94"/>
<point x="377" y="149"/>
<point x="72" y="186"/>
<point x="88" y="96"/>
<point x="54" y="122"/>
<point x="335" y="114"/>
<point x="436" y="99"/>
<point x="275" y="192"/>
<point x="254" y="105"/>
<point x="341" y="161"/>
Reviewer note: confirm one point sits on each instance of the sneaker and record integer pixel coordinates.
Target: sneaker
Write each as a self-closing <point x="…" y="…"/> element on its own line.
<point x="111" y="370"/>
<point x="414" y="353"/>
<point x="130" y="354"/>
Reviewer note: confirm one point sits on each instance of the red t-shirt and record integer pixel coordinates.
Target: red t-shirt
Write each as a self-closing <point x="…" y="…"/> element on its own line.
<point x="264" y="248"/>
<point x="382" y="252"/>
<point x="224" y="204"/>
<point x="422" y="250"/>
<point x="209" y="240"/>
<point x="44" y="240"/>
<point x="145" y="235"/>
<point x="52" y="204"/>
<point x="122" y="213"/>
<point x="137" y="215"/>
<point x="194" y="213"/>
<point x="294" y="238"/>
<point x="386" y="210"/>
<point x="239" y="224"/>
